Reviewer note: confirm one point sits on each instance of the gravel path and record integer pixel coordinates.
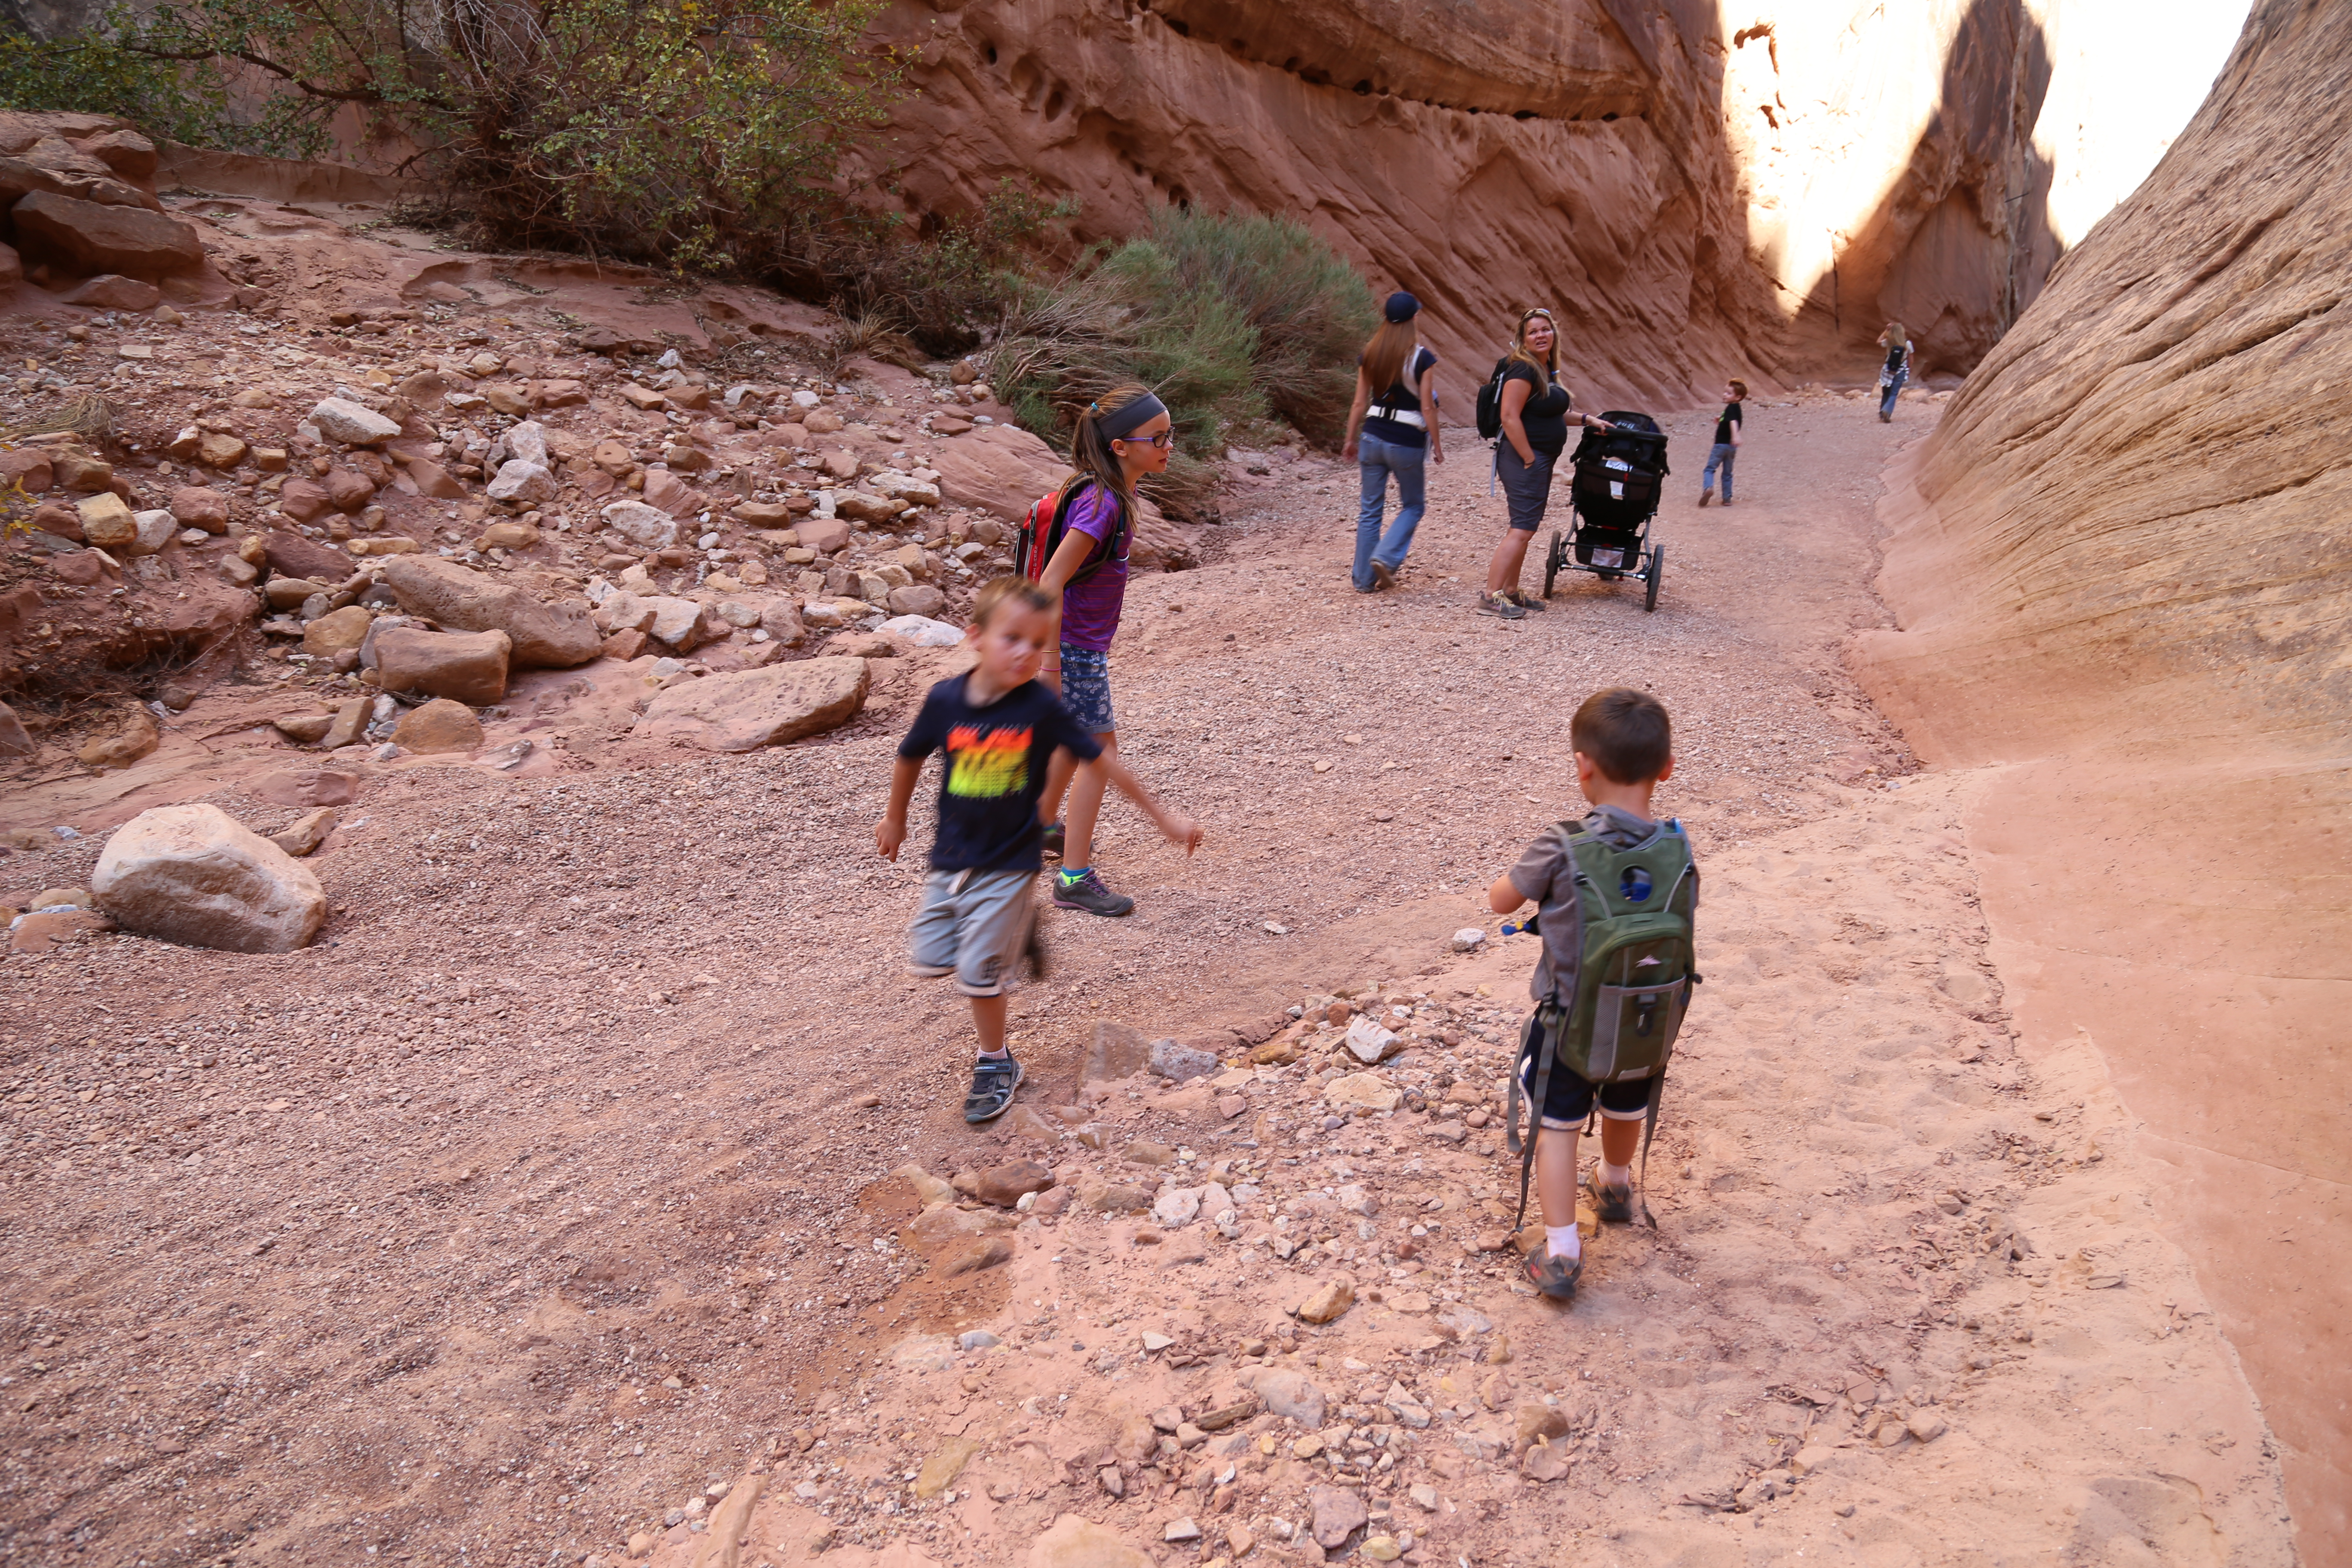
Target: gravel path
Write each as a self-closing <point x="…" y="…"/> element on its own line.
<point x="545" y="1190"/>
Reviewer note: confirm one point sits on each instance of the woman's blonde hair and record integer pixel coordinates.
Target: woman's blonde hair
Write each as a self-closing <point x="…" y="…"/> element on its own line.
<point x="1090" y="451"/>
<point x="1386" y="352"/>
<point x="1896" y="336"/>
<point x="1550" y="364"/>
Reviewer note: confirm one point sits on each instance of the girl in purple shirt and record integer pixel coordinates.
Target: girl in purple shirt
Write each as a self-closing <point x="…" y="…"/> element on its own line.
<point x="1123" y="436"/>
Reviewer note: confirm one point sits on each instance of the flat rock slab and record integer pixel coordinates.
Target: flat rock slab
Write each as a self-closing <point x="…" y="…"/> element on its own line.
<point x="758" y="707"/>
<point x="553" y="637"/>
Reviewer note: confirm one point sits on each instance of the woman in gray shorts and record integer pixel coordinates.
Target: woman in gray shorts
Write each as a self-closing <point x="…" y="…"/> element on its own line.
<point x="1536" y="411"/>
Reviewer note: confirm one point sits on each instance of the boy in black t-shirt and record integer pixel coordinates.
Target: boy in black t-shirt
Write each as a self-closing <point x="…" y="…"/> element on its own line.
<point x="1003" y="733"/>
<point x="1727" y="443"/>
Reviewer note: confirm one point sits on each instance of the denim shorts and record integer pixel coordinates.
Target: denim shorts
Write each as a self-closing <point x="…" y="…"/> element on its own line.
<point x="1086" y="688"/>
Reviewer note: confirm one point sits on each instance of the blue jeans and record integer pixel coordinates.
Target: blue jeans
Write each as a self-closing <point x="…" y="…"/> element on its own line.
<point x="1719" y="456"/>
<point x="1893" y="384"/>
<point x="1376" y="460"/>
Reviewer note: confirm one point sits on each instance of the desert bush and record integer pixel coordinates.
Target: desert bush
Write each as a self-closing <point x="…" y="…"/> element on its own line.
<point x="1224" y="317"/>
<point x="1310" y="308"/>
<point x="940" y="292"/>
<point x="693" y="132"/>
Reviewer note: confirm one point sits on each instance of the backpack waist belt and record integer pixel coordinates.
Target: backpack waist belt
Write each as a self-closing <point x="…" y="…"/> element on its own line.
<point x="1396" y="415"/>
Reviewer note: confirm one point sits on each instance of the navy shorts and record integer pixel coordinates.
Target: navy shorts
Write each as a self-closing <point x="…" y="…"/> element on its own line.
<point x="1568" y="1098"/>
<point x="1086" y="688"/>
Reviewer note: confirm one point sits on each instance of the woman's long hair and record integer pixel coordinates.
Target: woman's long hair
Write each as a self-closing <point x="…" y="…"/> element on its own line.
<point x="1896" y="336"/>
<point x="1386" y="353"/>
<point x="1090" y="451"/>
<point x="1548" y="365"/>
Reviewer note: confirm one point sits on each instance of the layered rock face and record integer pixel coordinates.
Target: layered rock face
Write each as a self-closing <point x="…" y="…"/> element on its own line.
<point x="2119" y="571"/>
<point x="1694" y="196"/>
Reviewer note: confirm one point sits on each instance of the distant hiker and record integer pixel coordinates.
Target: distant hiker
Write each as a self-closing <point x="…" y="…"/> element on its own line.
<point x="1616" y="896"/>
<point x="1726" y="442"/>
<point x="1895" y="371"/>
<point x="1005" y="734"/>
<point x="1391" y="426"/>
<point x="1123" y="435"/>
<point x="1533" y="408"/>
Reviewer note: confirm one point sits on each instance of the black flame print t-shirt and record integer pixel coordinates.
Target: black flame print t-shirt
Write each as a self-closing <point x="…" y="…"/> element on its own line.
<point x="996" y="758"/>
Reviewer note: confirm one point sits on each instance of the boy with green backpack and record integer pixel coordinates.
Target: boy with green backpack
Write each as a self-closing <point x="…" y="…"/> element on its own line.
<point x="1616" y="896"/>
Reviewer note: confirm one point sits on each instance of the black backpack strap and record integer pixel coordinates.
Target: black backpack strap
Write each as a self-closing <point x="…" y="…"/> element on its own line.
<point x="1057" y="529"/>
<point x="1544" y="1044"/>
<point x="1650" y="1130"/>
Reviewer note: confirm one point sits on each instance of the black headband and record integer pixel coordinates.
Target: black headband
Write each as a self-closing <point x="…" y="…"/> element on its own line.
<point x="1126" y="418"/>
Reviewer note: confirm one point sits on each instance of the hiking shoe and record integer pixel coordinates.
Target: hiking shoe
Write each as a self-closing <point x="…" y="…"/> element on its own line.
<point x="1527" y="601"/>
<point x="993" y="1079"/>
<point x="1051" y="844"/>
<point x="1614" y="1205"/>
<point x="1885" y="417"/>
<point x="1555" y="1276"/>
<point x="1705" y="498"/>
<point x="1089" y="893"/>
<point x="1500" y="604"/>
<point x="1383" y="576"/>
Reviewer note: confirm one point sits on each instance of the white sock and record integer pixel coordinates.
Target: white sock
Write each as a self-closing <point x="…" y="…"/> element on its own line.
<point x="1616" y="1175"/>
<point x="998" y="1054"/>
<point x="1564" y="1241"/>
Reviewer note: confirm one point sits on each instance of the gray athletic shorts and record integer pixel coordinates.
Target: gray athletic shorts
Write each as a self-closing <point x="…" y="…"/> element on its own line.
<point x="973" y="925"/>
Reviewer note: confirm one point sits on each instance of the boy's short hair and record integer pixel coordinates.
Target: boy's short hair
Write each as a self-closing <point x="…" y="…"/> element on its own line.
<point x="1738" y="387"/>
<point x="1023" y="591"/>
<point x="1625" y="732"/>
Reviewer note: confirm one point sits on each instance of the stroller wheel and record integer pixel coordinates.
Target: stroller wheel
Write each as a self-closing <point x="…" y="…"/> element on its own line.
<point x="1554" y="558"/>
<point x="1657" y="570"/>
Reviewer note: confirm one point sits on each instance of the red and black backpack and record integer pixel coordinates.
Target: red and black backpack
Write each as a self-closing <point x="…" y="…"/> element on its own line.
<point x="1048" y="519"/>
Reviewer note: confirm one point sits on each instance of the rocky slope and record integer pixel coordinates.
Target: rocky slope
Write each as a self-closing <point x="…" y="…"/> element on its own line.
<point x="2119" y="571"/>
<point x="1696" y="197"/>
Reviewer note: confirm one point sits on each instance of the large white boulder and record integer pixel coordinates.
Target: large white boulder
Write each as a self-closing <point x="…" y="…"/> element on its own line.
<point x="191" y="874"/>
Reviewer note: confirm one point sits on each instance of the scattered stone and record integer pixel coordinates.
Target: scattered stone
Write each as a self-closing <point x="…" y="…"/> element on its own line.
<point x="1177" y="1207"/>
<point x="542" y="636"/>
<point x="350" y="725"/>
<point x="1371" y="1044"/>
<point x="1539" y="1424"/>
<point x="470" y="667"/>
<point x="1361" y="1091"/>
<point x="191" y="875"/>
<point x="1075" y="1541"/>
<point x="198" y="507"/>
<point x="1181" y="1530"/>
<point x="946" y="1463"/>
<point x="352" y="424"/>
<point x="1181" y="1062"/>
<point x="291" y="555"/>
<point x="919" y="599"/>
<point x="438" y="726"/>
<point x="1926" y="1425"/>
<point x="88" y="237"/>
<point x="1543" y="1462"/>
<point x="1380" y="1548"/>
<point x="15" y="740"/>
<point x="306" y="833"/>
<point x="1334" y="1297"/>
<point x="337" y="631"/>
<point x="108" y="523"/>
<point x="137" y="737"/>
<point x="1006" y="1185"/>
<point x="743" y="711"/>
<point x="1469" y="939"/>
<point x="1340" y="1512"/>
<point x="647" y="526"/>
<point x="42" y="929"/>
<point x="1116" y="1199"/>
<point x="971" y="1254"/>
<point x="1141" y="1152"/>
<point x="111" y="291"/>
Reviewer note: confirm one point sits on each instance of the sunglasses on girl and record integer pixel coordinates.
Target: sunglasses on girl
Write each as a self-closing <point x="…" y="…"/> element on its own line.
<point x="1162" y="439"/>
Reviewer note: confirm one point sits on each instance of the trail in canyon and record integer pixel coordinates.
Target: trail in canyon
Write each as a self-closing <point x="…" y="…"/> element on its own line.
<point x="554" y="1192"/>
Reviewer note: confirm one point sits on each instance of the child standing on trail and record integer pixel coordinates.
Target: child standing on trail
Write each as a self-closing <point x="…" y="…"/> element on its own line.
<point x="1615" y="894"/>
<point x="1726" y="442"/>
<point x="1003" y="733"/>
<point x="1123" y="436"/>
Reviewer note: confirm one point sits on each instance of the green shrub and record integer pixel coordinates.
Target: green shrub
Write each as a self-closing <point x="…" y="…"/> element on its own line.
<point x="94" y="73"/>
<point x="693" y="132"/>
<point x="941" y="292"/>
<point x="1224" y="317"/>
<point x="1311" y="309"/>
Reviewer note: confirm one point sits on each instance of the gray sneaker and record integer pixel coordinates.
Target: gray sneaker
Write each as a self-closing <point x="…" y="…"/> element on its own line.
<point x="1501" y="605"/>
<point x="1089" y="893"/>
<point x="993" y="1079"/>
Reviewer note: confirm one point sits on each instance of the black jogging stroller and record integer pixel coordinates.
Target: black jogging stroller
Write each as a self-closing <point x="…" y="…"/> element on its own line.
<point x="1618" y="476"/>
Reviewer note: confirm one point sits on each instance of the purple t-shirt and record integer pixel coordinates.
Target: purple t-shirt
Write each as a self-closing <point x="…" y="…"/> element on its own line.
<point x="1090" y="609"/>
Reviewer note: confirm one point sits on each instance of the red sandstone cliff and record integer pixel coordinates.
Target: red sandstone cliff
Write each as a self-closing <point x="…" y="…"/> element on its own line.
<point x="2121" y="575"/>
<point x="1692" y="204"/>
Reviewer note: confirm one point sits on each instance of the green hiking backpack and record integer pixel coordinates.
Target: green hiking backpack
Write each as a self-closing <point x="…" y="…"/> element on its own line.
<point x="1634" y="976"/>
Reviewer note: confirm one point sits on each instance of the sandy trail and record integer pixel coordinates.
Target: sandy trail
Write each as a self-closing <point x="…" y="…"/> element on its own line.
<point x="542" y="1197"/>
